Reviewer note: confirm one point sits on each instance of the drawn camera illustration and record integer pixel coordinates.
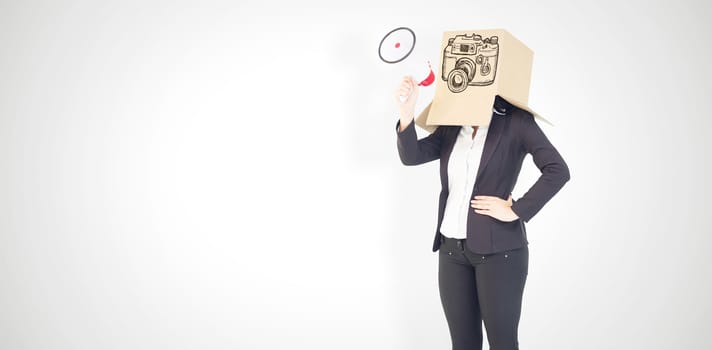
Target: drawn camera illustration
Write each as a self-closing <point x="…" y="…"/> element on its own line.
<point x="468" y="60"/>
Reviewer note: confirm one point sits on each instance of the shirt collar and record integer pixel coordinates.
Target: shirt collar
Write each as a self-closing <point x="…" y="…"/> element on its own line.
<point x="467" y="129"/>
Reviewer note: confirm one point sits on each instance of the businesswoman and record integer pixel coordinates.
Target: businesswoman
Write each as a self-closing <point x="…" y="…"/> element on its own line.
<point x="480" y="234"/>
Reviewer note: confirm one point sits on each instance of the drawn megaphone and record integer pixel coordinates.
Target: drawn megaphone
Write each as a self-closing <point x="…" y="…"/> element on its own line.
<point x="397" y="47"/>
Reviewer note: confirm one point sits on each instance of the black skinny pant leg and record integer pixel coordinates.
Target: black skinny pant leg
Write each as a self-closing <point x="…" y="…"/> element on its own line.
<point x="458" y="295"/>
<point x="500" y="286"/>
<point x="476" y="288"/>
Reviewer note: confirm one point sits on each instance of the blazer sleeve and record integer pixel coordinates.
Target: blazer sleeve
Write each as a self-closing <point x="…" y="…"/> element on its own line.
<point x="413" y="151"/>
<point x="554" y="171"/>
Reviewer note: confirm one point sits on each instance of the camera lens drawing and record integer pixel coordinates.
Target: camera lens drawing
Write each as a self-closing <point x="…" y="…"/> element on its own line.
<point x="469" y="60"/>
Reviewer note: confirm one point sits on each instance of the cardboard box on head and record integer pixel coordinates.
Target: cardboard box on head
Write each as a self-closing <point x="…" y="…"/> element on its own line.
<point x="475" y="66"/>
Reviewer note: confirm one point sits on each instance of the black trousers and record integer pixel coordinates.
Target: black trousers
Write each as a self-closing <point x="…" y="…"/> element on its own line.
<point x="481" y="287"/>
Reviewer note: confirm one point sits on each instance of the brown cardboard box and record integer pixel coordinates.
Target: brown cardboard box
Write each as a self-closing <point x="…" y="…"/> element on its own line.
<point x="475" y="66"/>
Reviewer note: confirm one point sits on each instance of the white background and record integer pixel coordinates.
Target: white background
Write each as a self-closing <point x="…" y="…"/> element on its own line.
<point x="224" y="175"/>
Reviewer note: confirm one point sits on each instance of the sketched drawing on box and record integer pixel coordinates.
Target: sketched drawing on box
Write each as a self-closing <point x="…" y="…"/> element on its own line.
<point x="468" y="60"/>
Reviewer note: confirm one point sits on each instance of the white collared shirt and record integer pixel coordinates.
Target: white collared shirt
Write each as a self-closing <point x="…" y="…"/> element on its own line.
<point x="461" y="171"/>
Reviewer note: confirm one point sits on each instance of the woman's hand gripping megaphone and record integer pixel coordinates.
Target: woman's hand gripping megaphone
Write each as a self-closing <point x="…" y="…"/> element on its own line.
<point x="406" y="95"/>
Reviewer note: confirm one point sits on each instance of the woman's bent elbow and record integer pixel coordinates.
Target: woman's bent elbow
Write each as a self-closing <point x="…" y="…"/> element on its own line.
<point x="407" y="158"/>
<point x="565" y="175"/>
<point x="408" y="162"/>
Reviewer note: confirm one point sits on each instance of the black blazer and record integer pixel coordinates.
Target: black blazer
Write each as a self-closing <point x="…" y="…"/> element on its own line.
<point x="509" y="138"/>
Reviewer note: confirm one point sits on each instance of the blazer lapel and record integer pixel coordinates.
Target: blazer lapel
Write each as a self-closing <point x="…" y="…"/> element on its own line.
<point x="451" y="137"/>
<point x="494" y="133"/>
<point x="450" y="141"/>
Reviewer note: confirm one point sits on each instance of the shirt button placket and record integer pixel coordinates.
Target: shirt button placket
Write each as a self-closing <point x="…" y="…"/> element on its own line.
<point x="464" y="204"/>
